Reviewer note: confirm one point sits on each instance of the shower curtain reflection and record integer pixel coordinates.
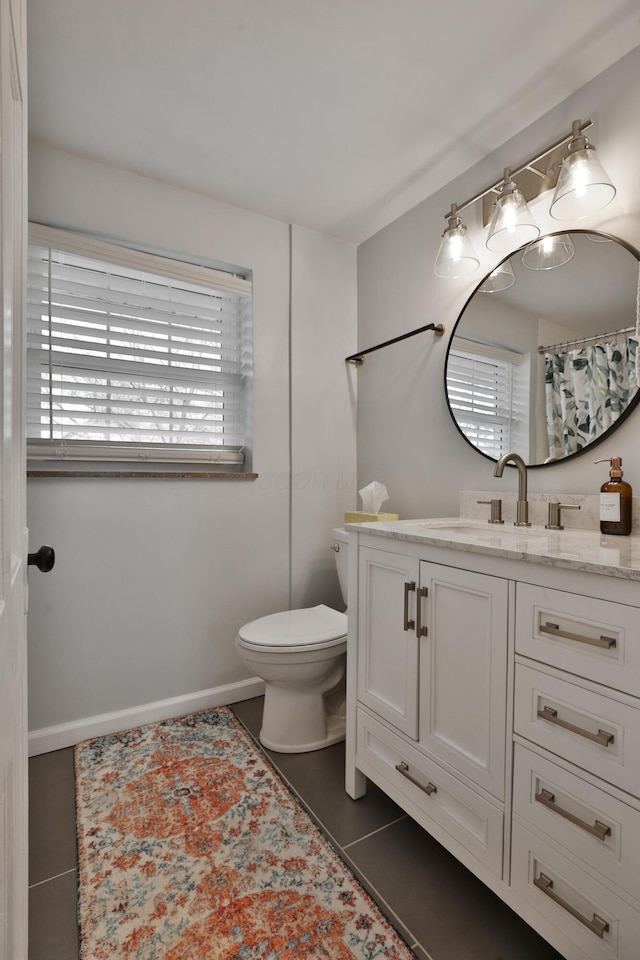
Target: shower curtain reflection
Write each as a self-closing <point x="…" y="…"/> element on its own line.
<point x="587" y="388"/>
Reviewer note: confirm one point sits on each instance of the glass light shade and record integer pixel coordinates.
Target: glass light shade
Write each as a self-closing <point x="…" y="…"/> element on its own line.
<point x="583" y="186"/>
<point x="512" y="224"/>
<point x="456" y="256"/>
<point x="548" y="252"/>
<point x="502" y="278"/>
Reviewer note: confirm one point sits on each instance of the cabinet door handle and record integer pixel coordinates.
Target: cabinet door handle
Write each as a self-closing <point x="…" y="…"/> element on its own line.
<point x="601" y="737"/>
<point x="599" y="830"/>
<point x="403" y="768"/>
<point x="597" y="925"/>
<point x="408" y="588"/>
<point x="554" y="631"/>
<point x="421" y="631"/>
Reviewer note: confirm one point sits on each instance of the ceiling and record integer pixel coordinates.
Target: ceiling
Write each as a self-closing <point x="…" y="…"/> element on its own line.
<point x="338" y="115"/>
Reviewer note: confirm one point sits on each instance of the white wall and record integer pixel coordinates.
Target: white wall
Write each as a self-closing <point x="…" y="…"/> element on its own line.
<point x="154" y="577"/>
<point x="405" y="435"/>
<point x="323" y="408"/>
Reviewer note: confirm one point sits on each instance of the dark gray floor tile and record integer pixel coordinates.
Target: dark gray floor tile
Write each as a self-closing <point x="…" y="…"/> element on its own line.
<point x="52" y="815"/>
<point x="424" y="892"/>
<point x="53" y="926"/>
<point x="448" y="910"/>
<point x="250" y="713"/>
<point x="318" y="779"/>
<point x="394" y="918"/>
<point x="420" y="953"/>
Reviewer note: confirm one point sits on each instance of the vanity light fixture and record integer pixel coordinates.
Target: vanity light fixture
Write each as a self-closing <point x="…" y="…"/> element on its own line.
<point x="456" y="256"/>
<point x="502" y="278"/>
<point x="569" y="165"/>
<point x="551" y="251"/>
<point x="583" y="185"/>
<point x="512" y="224"/>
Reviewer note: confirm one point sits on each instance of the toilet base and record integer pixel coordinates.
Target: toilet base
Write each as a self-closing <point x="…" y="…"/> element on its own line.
<point x="298" y="720"/>
<point x="335" y="727"/>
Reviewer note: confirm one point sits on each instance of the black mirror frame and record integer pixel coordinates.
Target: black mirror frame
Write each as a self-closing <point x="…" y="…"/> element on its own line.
<point x="594" y="443"/>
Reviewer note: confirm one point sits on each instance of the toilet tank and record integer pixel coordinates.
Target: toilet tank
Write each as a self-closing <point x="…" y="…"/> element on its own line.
<point x="340" y="546"/>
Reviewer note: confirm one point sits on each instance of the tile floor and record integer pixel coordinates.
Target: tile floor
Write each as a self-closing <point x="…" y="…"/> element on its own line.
<point x="441" y="909"/>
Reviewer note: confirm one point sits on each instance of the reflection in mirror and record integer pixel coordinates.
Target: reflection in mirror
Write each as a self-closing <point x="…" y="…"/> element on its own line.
<point x="546" y="366"/>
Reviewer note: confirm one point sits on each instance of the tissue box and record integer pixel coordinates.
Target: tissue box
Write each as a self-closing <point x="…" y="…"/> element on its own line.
<point x="357" y="517"/>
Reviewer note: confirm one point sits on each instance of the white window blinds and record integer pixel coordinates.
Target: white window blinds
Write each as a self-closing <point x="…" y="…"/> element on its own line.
<point x="480" y="395"/>
<point x="131" y="351"/>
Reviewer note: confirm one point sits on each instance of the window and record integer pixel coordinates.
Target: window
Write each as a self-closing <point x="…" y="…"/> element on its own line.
<point x="134" y="356"/>
<point x="484" y="386"/>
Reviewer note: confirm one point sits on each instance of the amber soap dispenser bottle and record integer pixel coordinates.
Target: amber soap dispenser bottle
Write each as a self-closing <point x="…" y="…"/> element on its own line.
<point x="615" y="501"/>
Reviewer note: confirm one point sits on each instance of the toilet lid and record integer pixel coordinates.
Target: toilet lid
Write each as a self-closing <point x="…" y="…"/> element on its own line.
<point x="296" y="628"/>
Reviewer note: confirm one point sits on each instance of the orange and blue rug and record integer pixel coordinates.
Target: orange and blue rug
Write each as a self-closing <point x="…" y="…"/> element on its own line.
<point x="191" y="847"/>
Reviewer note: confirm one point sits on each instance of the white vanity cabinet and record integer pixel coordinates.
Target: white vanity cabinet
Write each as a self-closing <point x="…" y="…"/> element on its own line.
<point x="463" y="670"/>
<point x="431" y="681"/>
<point x="576" y="787"/>
<point x="388" y="660"/>
<point x="433" y="646"/>
<point x="497" y="701"/>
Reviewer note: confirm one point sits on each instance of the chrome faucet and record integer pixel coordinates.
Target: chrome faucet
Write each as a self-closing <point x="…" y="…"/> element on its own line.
<point x="522" y="510"/>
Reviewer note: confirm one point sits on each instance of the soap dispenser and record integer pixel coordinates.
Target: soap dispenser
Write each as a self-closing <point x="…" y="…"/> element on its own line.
<point x="615" y="500"/>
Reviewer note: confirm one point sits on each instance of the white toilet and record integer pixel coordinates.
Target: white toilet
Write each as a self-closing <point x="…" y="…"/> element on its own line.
<point x="300" y="655"/>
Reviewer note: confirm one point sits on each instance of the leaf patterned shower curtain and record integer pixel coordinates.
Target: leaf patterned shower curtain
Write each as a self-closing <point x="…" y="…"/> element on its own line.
<point x="587" y="388"/>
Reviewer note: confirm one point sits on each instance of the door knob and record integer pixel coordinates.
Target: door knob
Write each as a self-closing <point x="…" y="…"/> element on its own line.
<point x="43" y="559"/>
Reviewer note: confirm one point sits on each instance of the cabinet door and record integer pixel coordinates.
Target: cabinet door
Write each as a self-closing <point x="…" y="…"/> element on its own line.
<point x="463" y="668"/>
<point x="387" y="641"/>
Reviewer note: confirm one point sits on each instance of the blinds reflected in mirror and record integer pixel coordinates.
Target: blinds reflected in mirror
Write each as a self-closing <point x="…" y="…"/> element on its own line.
<point x="487" y="389"/>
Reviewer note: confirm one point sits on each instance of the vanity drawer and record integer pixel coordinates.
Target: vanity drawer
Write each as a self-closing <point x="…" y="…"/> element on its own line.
<point x="594" y="826"/>
<point x="589" y="637"/>
<point x="591" y="915"/>
<point x="593" y="731"/>
<point x="467" y="817"/>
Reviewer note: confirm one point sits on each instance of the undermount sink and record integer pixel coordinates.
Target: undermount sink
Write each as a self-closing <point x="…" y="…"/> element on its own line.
<point x="460" y="526"/>
<point x="453" y="526"/>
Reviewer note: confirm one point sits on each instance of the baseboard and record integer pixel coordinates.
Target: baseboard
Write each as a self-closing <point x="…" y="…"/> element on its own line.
<point x="68" y="734"/>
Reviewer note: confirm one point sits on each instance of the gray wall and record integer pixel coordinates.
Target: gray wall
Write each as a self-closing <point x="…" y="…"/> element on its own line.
<point x="154" y="577"/>
<point x="405" y="435"/>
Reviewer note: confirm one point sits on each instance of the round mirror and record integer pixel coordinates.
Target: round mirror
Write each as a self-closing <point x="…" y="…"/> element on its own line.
<point x="542" y="361"/>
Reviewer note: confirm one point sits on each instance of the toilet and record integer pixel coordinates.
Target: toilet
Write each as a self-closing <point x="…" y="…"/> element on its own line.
<point x="301" y="655"/>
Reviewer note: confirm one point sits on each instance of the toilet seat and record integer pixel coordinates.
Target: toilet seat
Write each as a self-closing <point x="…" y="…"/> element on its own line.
<point x="318" y="627"/>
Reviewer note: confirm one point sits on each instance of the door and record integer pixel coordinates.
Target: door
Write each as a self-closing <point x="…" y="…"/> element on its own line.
<point x="387" y="640"/>
<point x="463" y="672"/>
<point x="13" y="681"/>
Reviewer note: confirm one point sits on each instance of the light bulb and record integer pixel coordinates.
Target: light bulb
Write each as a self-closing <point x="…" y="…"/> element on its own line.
<point x="512" y="224"/>
<point x="583" y="185"/>
<point x="456" y="256"/>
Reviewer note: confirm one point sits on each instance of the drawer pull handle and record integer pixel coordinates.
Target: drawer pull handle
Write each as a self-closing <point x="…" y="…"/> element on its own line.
<point x="599" y="830"/>
<point x="421" y="630"/>
<point x="601" y="737"/>
<point x="597" y="925"/>
<point x="554" y="630"/>
<point x="408" y="588"/>
<point x="403" y="768"/>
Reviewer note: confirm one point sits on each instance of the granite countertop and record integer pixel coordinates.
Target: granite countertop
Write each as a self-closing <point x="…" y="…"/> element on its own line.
<point x="585" y="550"/>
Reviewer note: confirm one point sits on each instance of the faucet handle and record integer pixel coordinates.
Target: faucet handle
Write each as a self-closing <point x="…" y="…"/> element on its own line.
<point x="496" y="510"/>
<point x="553" y="522"/>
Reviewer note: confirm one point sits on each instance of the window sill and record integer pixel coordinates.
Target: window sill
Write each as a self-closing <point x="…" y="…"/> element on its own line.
<point x="140" y="475"/>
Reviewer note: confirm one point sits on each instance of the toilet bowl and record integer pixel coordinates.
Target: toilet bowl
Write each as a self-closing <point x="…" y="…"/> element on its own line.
<point x="301" y="655"/>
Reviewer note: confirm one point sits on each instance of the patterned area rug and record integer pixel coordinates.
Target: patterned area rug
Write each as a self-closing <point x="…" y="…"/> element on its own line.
<point x="192" y="848"/>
